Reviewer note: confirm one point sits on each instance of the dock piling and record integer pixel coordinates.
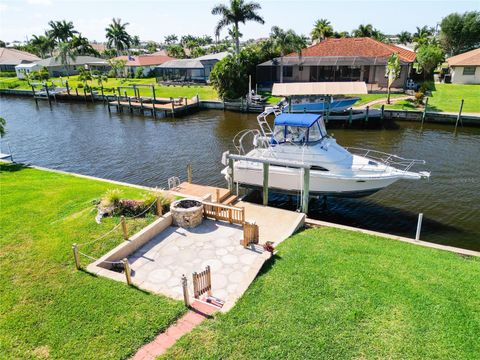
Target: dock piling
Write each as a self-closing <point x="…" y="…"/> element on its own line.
<point x="459" y="116"/>
<point x="419" y="226"/>
<point x="366" y="113"/>
<point x="189" y="173"/>
<point x="306" y="190"/>
<point x="68" y="87"/>
<point x="424" y="114"/>
<point x="266" y="169"/>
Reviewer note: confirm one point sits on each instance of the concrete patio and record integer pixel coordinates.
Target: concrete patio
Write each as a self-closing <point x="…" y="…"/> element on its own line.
<point x="159" y="265"/>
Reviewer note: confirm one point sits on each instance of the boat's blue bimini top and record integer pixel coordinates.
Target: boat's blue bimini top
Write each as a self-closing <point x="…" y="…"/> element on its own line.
<point x="301" y="120"/>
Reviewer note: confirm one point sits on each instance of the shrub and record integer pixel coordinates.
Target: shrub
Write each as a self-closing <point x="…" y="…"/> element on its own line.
<point x="80" y="86"/>
<point x="7" y="74"/>
<point x="419" y="96"/>
<point x="111" y="198"/>
<point x="165" y="200"/>
<point x="130" y="207"/>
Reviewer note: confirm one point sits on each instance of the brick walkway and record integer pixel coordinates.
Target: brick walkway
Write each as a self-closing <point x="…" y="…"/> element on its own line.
<point x="184" y="325"/>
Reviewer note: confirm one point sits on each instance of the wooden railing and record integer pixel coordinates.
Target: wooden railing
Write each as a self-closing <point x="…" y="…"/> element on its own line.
<point x="202" y="283"/>
<point x="232" y="214"/>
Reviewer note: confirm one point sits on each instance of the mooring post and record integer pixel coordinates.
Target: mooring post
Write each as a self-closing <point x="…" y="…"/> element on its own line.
<point x="48" y="95"/>
<point x="68" y="87"/>
<point x="91" y="94"/>
<point x="424" y="114"/>
<point x="217" y="195"/>
<point x="129" y="103"/>
<point x="198" y="102"/>
<point x="126" y="268"/>
<point x="153" y="91"/>
<point x="419" y="226"/>
<point x="366" y="113"/>
<point x="76" y="256"/>
<point x="34" y="97"/>
<point x="459" y="116"/>
<point x="231" y="173"/>
<point x="84" y="94"/>
<point x="141" y="106"/>
<point x="119" y="108"/>
<point x="350" y="115"/>
<point x="76" y="91"/>
<point x="173" y="108"/>
<point x="103" y="95"/>
<point x="383" y="111"/>
<point x="159" y="209"/>
<point x="186" y="298"/>
<point x="266" y="169"/>
<point x="306" y="190"/>
<point x="189" y="173"/>
<point x="124" y="227"/>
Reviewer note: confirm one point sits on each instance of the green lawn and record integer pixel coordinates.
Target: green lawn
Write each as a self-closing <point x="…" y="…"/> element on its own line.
<point x="447" y="97"/>
<point x="335" y="294"/>
<point x="50" y="310"/>
<point x="203" y="91"/>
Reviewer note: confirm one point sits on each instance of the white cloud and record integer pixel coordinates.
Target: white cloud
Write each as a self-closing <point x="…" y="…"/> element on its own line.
<point x="3" y="7"/>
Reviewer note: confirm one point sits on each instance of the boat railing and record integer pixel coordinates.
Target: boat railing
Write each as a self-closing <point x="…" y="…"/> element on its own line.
<point x="239" y="139"/>
<point x="387" y="159"/>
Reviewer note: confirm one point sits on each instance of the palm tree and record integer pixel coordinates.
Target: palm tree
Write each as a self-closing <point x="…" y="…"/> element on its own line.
<point x="321" y="30"/>
<point x="42" y="44"/>
<point x="422" y="36"/>
<point x="171" y="39"/>
<point x="117" y="35"/>
<point x="65" y="53"/>
<point x="239" y="11"/>
<point x="286" y="42"/>
<point x="404" y="37"/>
<point x="61" y="31"/>
<point x="81" y="46"/>
<point x="364" y="31"/>
<point x="392" y="72"/>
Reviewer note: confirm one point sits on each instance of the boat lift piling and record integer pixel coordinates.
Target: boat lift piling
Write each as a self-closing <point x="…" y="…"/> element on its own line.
<point x="266" y="169"/>
<point x="459" y="116"/>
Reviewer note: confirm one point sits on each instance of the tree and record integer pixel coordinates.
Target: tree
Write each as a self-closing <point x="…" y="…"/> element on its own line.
<point x="171" y="39"/>
<point x="286" y="42"/>
<point x="321" y="30"/>
<point x="61" y="31"/>
<point x="117" y="36"/>
<point x="2" y="43"/>
<point x="118" y="66"/>
<point x="404" y="37"/>
<point x="341" y="34"/>
<point x="428" y="58"/>
<point x="423" y="36"/>
<point x="460" y="32"/>
<point x="65" y="53"/>
<point x="3" y="124"/>
<point x="392" y="72"/>
<point x="42" y="45"/>
<point x="81" y="46"/>
<point x="176" y="51"/>
<point x="364" y="31"/>
<point x="136" y="41"/>
<point x="100" y="77"/>
<point x="239" y="11"/>
<point x="152" y="46"/>
<point x="84" y="76"/>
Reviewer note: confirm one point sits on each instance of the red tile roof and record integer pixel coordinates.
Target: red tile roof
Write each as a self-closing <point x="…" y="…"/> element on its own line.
<point x="145" y="60"/>
<point x="365" y="47"/>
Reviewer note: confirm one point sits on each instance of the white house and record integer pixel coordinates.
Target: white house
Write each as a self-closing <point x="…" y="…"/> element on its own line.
<point x="26" y="68"/>
<point x="465" y="68"/>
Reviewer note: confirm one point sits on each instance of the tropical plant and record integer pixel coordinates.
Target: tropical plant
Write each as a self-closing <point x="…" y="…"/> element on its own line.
<point x="112" y="197"/>
<point x="100" y="77"/>
<point x="61" y="31"/>
<point x="428" y="58"/>
<point x="42" y="45"/>
<point x="237" y="12"/>
<point x="364" y="31"/>
<point x="135" y="41"/>
<point x="171" y="39"/>
<point x="117" y="35"/>
<point x="341" y="34"/>
<point x="286" y="42"/>
<point x="423" y="36"/>
<point x="176" y="51"/>
<point x="460" y="32"/>
<point x="117" y="66"/>
<point x="3" y="125"/>
<point x="81" y="46"/>
<point x="404" y="37"/>
<point x="139" y="72"/>
<point x="41" y="74"/>
<point x="197" y="52"/>
<point x="392" y="72"/>
<point x="65" y="54"/>
<point x="84" y="76"/>
<point x="321" y="30"/>
<point x="152" y="46"/>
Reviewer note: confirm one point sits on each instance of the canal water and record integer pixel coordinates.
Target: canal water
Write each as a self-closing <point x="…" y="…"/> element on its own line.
<point x="84" y="138"/>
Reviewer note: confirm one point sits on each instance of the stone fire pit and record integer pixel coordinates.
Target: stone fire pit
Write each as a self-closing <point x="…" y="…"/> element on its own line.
<point x="187" y="213"/>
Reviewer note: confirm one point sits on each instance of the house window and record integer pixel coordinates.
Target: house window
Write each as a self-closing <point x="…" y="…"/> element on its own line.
<point x="300" y="68"/>
<point x="287" y="71"/>
<point x="469" y="70"/>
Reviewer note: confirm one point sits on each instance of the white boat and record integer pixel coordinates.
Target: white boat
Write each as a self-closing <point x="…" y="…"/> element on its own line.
<point x="317" y="104"/>
<point x="299" y="142"/>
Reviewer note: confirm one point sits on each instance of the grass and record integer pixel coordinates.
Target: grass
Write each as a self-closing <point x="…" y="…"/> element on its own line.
<point x="50" y="310"/>
<point x="335" y="294"/>
<point x="204" y="92"/>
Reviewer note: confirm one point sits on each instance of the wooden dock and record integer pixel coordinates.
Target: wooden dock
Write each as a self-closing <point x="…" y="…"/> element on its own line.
<point x="154" y="106"/>
<point x="200" y="191"/>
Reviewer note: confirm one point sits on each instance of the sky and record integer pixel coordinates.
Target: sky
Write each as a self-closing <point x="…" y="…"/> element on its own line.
<point x="154" y="19"/>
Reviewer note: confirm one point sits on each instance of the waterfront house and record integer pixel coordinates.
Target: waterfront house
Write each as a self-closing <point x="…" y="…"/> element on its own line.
<point x="56" y="68"/>
<point x="147" y="62"/>
<point x="345" y="59"/>
<point x="465" y="68"/>
<point x="9" y="58"/>
<point x="196" y="70"/>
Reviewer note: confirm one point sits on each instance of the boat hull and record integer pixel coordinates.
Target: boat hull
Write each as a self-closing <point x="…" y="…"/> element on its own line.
<point x="290" y="180"/>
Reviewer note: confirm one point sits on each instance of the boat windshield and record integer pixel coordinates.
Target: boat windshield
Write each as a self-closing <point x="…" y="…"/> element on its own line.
<point x="299" y="134"/>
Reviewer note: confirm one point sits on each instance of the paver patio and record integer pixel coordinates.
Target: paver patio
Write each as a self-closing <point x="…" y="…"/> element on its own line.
<point x="159" y="265"/>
